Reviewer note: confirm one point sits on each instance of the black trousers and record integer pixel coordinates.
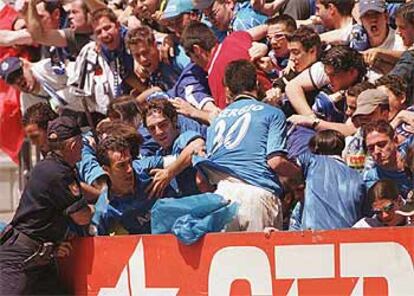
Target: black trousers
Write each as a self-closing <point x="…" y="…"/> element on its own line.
<point x="18" y="278"/>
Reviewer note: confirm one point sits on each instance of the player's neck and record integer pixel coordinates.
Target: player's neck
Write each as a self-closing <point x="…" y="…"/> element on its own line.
<point x="246" y="95"/>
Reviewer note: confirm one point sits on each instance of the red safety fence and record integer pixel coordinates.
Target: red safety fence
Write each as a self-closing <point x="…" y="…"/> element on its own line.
<point x="345" y="262"/>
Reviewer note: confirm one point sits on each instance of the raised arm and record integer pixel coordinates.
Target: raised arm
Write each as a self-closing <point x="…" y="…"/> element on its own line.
<point x="10" y="38"/>
<point x="46" y="37"/>
<point x="295" y="91"/>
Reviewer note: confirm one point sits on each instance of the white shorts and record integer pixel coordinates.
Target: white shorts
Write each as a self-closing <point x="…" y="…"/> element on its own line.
<point x="258" y="208"/>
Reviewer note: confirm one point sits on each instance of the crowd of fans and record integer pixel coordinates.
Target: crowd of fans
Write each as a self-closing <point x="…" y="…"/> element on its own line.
<point x="286" y="114"/>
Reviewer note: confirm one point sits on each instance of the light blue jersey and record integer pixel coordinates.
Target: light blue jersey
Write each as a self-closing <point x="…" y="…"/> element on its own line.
<point x="240" y="140"/>
<point x="334" y="194"/>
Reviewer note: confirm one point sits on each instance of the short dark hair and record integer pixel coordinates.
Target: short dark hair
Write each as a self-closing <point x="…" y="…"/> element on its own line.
<point x="358" y="88"/>
<point x="197" y="33"/>
<point x="327" y="142"/>
<point x="383" y="189"/>
<point x="344" y="7"/>
<point x="381" y="126"/>
<point x="344" y="58"/>
<point x="104" y="12"/>
<point x="394" y="83"/>
<point x="40" y="114"/>
<point x="124" y="108"/>
<point x="308" y="37"/>
<point x="240" y="76"/>
<point x="406" y="12"/>
<point x="110" y="143"/>
<point x="284" y="19"/>
<point x="142" y="34"/>
<point x="120" y="129"/>
<point x="161" y="105"/>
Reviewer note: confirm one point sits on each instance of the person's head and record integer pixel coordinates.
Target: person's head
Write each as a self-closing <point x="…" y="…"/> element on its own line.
<point x="327" y="142"/>
<point x="240" y="78"/>
<point x="381" y="143"/>
<point x="178" y="14"/>
<point x="64" y="138"/>
<point x="352" y="93"/>
<point x="120" y="129"/>
<point x="144" y="9"/>
<point x="125" y="108"/>
<point x="343" y="66"/>
<point x="17" y="73"/>
<point x="114" y="155"/>
<point x="395" y="88"/>
<point x="374" y="19"/>
<point x="279" y="28"/>
<point x="404" y="20"/>
<point x="106" y="28"/>
<point x="50" y="13"/>
<point x="141" y="43"/>
<point x="160" y="118"/>
<point x="330" y="11"/>
<point x="304" y="46"/>
<point x="35" y="121"/>
<point x="78" y="16"/>
<point x="384" y="199"/>
<point x="198" y="41"/>
<point x="220" y="13"/>
<point x="372" y="105"/>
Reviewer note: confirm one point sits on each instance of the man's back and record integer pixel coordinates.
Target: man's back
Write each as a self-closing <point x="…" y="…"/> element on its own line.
<point x="242" y="136"/>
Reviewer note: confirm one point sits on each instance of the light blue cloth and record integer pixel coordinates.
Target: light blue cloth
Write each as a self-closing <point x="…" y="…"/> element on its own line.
<point x="245" y="17"/>
<point x="334" y="194"/>
<point x="191" y="217"/>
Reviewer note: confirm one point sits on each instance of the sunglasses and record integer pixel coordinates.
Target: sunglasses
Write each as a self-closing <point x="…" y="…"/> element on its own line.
<point x="386" y="209"/>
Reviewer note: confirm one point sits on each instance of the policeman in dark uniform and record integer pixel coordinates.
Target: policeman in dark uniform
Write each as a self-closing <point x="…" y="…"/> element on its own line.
<point x="49" y="202"/>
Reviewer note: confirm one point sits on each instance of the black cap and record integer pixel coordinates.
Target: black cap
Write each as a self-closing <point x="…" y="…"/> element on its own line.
<point x="62" y="128"/>
<point x="9" y="67"/>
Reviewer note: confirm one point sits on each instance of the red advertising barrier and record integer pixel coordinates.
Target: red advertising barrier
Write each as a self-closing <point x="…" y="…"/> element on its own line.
<point x="344" y="262"/>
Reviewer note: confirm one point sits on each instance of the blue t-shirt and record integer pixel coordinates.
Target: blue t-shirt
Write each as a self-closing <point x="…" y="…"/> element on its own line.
<point x="165" y="76"/>
<point x="184" y="184"/>
<point x="241" y="138"/>
<point x="130" y="213"/>
<point x="334" y="193"/>
<point x="404" y="183"/>
<point x="192" y="86"/>
<point x="245" y="17"/>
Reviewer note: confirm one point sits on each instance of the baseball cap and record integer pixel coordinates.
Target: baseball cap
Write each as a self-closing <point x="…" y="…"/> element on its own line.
<point x="176" y="8"/>
<point x="9" y="68"/>
<point x="62" y="128"/>
<point x="368" y="100"/>
<point x="371" y="5"/>
<point x="202" y="4"/>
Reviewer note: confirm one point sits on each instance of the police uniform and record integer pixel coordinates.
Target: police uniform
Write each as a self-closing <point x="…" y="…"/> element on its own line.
<point x="27" y="265"/>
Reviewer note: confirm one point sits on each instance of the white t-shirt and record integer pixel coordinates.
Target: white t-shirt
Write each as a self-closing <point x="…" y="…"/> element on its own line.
<point x="318" y="76"/>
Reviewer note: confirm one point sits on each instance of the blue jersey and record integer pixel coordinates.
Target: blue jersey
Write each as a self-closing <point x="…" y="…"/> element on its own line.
<point x="165" y="76"/>
<point x="192" y="86"/>
<point x="403" y="181"/>
<point x="245" y="17"/>
<point x="240" y="140"/>
<point x="334" y="193"/>
<point x="128" y="213"/>
<point x="184" y="184"/>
